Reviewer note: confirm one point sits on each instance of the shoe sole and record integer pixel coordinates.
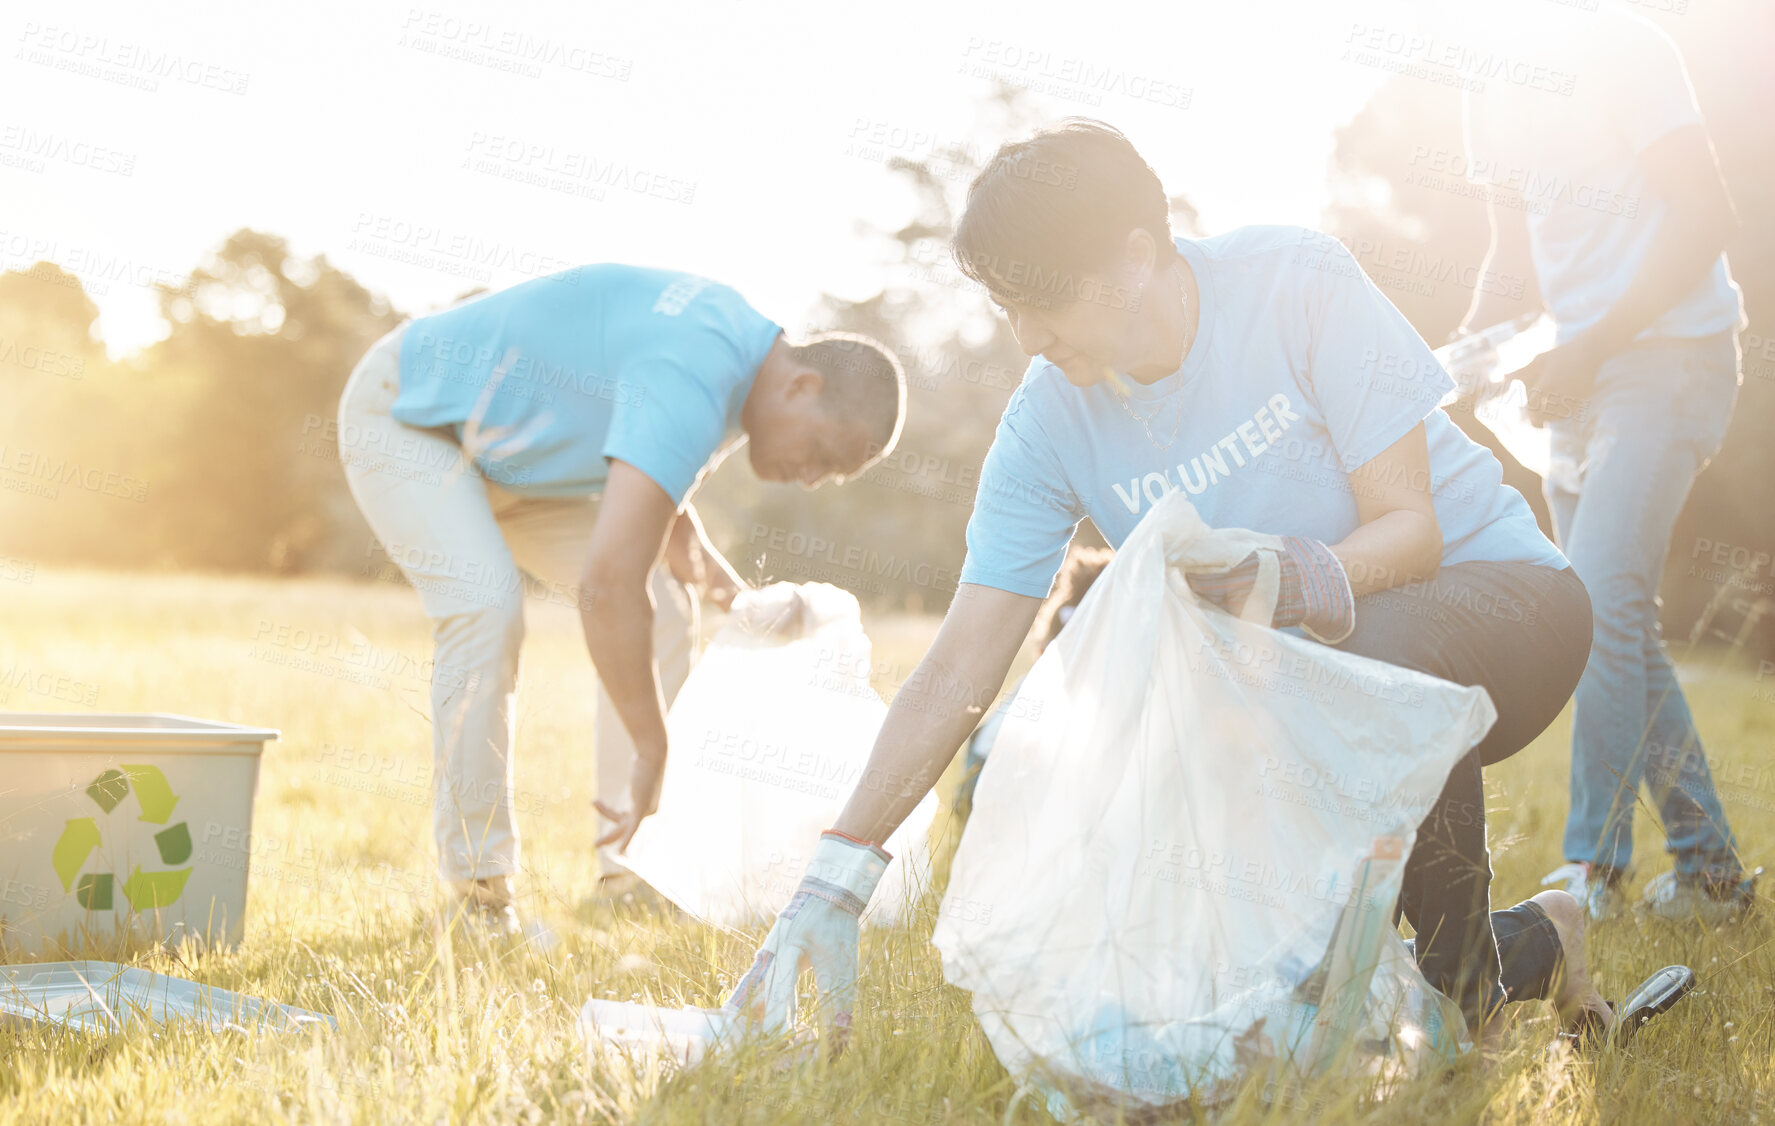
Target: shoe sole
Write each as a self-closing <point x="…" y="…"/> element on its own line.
<point x="1654" y="996"/>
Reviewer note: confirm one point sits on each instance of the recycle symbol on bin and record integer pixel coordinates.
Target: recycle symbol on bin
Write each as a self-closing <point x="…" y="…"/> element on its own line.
<point x="80" y="838"/>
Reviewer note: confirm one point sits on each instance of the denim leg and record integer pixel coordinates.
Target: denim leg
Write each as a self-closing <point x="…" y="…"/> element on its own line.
<point x="1698" y="837"/>
<point x="1529" y="950"/>
<point x="1657" y="415"/>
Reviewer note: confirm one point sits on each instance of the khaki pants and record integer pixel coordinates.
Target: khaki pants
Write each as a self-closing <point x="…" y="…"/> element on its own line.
<point x="462" y="541"/>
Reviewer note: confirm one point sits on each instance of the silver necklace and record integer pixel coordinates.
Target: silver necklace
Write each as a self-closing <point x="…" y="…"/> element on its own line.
<point x="1158" y="408"/>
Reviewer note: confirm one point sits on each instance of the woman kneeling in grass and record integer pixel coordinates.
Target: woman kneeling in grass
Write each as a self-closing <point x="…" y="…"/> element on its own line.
<point x="1264" y="375"/>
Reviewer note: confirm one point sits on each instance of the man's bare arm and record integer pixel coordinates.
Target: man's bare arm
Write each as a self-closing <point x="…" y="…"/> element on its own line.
<point x="628" y="539"/>
<point x="1399" y="539"/>
<point x="1508" y="263"/>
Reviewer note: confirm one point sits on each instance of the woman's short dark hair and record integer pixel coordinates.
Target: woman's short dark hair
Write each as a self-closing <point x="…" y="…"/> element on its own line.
<point x="1061" y="204"/>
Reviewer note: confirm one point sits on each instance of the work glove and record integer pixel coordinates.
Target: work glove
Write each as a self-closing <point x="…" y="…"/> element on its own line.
<point x="1313" y="592"/>
<point x="819" y="928"/>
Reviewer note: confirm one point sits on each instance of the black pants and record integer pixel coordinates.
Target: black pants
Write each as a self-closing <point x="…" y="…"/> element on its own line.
<point x="1522" y="633"/>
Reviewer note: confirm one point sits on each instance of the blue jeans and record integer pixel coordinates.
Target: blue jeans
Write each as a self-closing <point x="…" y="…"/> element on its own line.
<point x="1657" y="414"/>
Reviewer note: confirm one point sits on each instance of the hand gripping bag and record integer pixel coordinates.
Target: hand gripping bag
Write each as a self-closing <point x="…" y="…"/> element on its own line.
<point x="1185" y="848"/>
<point x="766" y="740"/>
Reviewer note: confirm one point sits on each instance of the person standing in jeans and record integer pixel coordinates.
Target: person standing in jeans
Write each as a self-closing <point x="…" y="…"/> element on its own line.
<point x="1607" y="189"/>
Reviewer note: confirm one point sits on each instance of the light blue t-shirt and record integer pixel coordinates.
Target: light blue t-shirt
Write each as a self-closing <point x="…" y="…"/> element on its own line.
<point x="544" y="381"/>
<point x="1575" y="158"/>
<point x="1301" y="371"/>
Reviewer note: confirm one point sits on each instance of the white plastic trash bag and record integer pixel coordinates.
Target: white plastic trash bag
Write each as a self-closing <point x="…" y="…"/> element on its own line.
<point x="1484" y="366"/>
<point x="1186" y="845"/>
<point x="767" y="739"/>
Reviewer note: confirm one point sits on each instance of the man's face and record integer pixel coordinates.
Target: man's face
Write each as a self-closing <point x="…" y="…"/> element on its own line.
<point x="794" y="439"/>
<point x="1086" y="340"/>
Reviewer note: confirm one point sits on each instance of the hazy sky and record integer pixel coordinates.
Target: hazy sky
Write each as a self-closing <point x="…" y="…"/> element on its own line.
<point x="429" y="148"/>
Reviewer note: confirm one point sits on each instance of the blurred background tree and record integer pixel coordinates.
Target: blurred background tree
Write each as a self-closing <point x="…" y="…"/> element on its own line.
<point x="896" y="536"/>
<point x="262" y="342"/>
<point x="209" y="449"/>
<point x="54" y="379"/>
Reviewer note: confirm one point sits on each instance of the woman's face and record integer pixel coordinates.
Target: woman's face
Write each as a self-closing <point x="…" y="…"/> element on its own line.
<point x="1088" y="324"/>
<point x="1087" y="339"/>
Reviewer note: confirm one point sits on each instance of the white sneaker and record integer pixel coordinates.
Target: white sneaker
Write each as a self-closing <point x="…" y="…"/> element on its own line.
<point x="1669" y="896"/>
<point x="1595" y="887"/>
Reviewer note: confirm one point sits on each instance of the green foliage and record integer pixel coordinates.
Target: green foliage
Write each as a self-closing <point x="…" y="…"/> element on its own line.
<point x="266" y="341"/>
<point x="213" y="448"/>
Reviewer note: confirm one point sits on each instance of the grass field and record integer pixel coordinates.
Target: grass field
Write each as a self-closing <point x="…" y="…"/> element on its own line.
<point x="437" y="1030"/>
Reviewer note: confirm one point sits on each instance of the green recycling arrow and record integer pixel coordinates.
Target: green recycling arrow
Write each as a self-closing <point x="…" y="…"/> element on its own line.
<point x="174" y="844"/>
<point x="79" y="837"/>
<point x="152" y="791"/>
<point x="94" y="892"/>
<point x="148" y="890"/>
<point x="108" y="789"/>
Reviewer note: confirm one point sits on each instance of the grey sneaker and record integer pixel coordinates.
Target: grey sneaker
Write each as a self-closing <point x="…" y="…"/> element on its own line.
<point x="1712" y="902"/>
<point x="1596" y="886"/>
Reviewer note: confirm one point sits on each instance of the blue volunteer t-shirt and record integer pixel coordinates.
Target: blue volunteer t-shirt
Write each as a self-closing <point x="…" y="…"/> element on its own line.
<point x="1301" y="371"/>
<point x="544" y="381"/>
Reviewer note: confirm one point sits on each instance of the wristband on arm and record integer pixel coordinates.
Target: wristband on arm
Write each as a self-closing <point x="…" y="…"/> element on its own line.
<point x="843" y="871"/>
<point x="1314" y="592"/>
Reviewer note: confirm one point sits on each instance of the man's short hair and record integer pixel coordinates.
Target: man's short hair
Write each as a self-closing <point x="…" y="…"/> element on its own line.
<point x="863" y="380"/>
<point x="1046" y="211"/>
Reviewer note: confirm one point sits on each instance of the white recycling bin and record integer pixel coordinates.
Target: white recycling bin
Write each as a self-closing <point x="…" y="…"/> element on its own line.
<point x="113" y="824"/>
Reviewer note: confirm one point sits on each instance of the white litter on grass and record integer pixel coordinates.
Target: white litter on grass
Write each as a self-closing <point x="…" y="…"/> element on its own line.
<point x="107" y="997"/>
<point x="652" y="1034"/>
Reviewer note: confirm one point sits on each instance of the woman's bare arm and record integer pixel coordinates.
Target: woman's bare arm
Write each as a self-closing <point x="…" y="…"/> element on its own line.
<point x="938" y="706"/>
<point x="1399" y="540"/>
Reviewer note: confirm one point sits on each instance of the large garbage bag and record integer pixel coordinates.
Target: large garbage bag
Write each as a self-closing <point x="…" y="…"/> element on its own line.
<point x="1187" y="843"/>
<point x="767" y="738"/>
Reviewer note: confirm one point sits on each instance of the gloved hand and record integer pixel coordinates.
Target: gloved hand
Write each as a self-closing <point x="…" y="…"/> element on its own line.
<point x="1314" y="593"/>
<point x="818" y="928"/>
